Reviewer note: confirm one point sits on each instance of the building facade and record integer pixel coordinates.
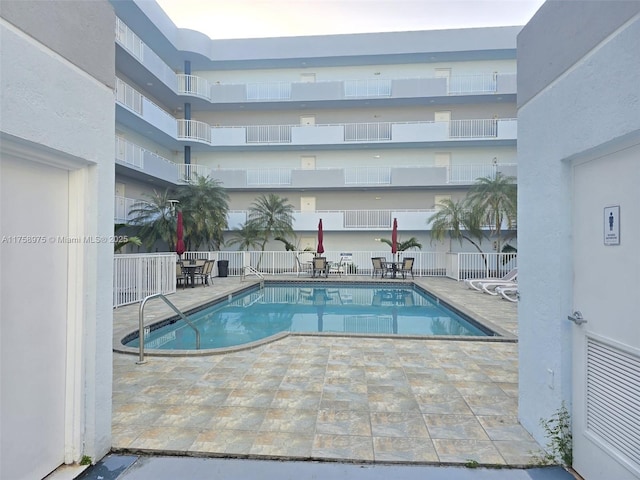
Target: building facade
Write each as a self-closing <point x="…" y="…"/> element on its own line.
<point x="579" y="161"/>
<point x="355" y="130"/>
<point x="56" y="178"/>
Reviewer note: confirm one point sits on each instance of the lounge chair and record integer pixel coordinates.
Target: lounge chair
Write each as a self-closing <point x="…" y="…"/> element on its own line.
<point x="490" y="287"/>
<point x="320" y="266"/>
<point x="474" y="282"/>
<point x="508" y="293"/>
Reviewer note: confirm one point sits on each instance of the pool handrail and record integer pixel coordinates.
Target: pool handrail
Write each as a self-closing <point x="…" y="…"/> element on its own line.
<point x="141" y="359"/>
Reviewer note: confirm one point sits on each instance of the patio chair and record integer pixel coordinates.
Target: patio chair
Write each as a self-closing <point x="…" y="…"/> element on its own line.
<point x="473" y="283"/>
<point x="320" y="266"/>
<point x="407" y="267"/>
<point x="508" y="293"/>
<point x="180" y="276"/>
<point x="378" y="266"/>
<point x="337" y="267"/>
<point x="303" y="266"/>
<point x="205" y="274"/>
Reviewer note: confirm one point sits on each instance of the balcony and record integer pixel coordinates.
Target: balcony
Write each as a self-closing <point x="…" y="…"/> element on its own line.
<point x="144" y="161"/>
<point x="139" y="106"/>
<point x="357" y="177"/>
<point x="349" y="220"/>
<point x="502" y="130"/>
<point x="283" y="91"/>
<point x="122" y="207"/>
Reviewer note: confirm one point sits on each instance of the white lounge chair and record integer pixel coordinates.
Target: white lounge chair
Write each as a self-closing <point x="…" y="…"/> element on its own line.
<point x="490" y="287"/>
<point x="474" y="282"/>
<point x="508" y="293"/>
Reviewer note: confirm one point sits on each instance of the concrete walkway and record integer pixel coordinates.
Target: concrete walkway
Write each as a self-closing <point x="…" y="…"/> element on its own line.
<point x="329" y="397"/>
<point x="171" y="468"/>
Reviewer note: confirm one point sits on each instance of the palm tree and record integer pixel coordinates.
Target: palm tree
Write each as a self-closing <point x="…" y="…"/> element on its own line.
<point x="155" y="219"/>
<point x="246" y="237"/>
<point x="204" y="205"/>
<point x="271" y="215"/>
<point x="124" y="240"/>
<point x="497" y="198"/>
<point x="459" y="221"/>
<point x="405" y="245"/>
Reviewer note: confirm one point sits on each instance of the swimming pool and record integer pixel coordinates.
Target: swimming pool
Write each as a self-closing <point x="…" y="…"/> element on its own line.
<point x="259" y="314"/>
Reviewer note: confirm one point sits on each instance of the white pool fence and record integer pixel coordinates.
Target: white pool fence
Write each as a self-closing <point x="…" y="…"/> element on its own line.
<point x="138" y="275"/>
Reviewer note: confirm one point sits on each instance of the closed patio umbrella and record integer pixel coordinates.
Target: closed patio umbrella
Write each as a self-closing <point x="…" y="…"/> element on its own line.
<point x="320" y="237"/>
<point x="394" y="237"/>
<point x="180" y="232"/>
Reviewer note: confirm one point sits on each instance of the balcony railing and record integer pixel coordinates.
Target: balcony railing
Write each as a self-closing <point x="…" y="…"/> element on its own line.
<point x="269" y="91"/>
<point x="189" y="172"/>
<point x="472" y="84"/>
<point x="129" y="96"/>
<point x="129" y="40"/>
<point x="193" y="85"/>
<point x="122" y="206"/>
<point x="194" y="130"/>
<point x="367" y="132"/>
<point x="268" y="133"/>
<point x="367" y="176"/>
<point x="268" y="177"/>
<point x="367" y="88"/>
<point x="129" y="153"/>
<point x="367" y="219"/>
<point x="481" y="128"/>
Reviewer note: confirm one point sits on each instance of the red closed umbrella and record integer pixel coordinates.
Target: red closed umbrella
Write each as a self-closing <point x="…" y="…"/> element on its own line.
<point x="180" y="231"/>
<point x="394" y="237"/>
<point x="320" y="237"/>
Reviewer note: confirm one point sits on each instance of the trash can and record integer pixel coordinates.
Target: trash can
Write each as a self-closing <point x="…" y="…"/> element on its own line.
<point x="223" y="268"/>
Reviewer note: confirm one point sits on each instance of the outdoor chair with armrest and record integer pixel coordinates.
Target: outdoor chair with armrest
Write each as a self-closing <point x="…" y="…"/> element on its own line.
<point x="205" y="274"/>
<point x="320" y="266"/>
<point x="180" y="276"/>
<point x="337" y="267"/>
<point x="378" y="266"/>
<point x="407" y="267"/>
<point x="303" y="266"/>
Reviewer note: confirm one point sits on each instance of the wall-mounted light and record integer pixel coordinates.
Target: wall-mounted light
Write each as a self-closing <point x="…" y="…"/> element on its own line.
<point x="173" y="205"/>
<point x="378" y="198"/>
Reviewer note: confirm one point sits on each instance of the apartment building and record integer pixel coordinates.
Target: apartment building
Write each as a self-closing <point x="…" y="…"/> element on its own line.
<point x="355" y="130"/>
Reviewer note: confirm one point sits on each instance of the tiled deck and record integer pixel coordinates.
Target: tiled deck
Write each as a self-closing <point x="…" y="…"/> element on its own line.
<point x="328" y="397"/>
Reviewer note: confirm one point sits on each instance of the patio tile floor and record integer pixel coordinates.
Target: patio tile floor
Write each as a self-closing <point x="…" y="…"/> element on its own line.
<point x="329" y="397"/>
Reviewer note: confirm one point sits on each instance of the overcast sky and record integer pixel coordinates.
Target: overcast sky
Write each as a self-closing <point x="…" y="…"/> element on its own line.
<point x="283" y="18"/>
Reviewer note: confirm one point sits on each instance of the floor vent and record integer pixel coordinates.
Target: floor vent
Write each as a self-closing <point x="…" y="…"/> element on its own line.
<point x="613" y="399"/>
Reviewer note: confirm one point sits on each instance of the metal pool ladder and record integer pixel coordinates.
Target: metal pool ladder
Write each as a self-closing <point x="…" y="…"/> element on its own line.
<point x="141" y="360"/>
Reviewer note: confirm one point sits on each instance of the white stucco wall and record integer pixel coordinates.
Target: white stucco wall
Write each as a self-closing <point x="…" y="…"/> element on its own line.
<point x="596" y="100"/>
<point x="56" y="115"/>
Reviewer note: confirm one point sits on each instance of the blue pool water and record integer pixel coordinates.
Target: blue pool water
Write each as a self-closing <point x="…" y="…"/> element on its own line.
<point x="260" y="313"/>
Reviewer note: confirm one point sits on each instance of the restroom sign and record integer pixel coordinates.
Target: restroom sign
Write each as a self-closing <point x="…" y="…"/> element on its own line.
<point x="612" y="225"/>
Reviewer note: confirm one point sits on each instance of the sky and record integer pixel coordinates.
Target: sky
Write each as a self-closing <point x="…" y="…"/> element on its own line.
<point x="284" y="18"/>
